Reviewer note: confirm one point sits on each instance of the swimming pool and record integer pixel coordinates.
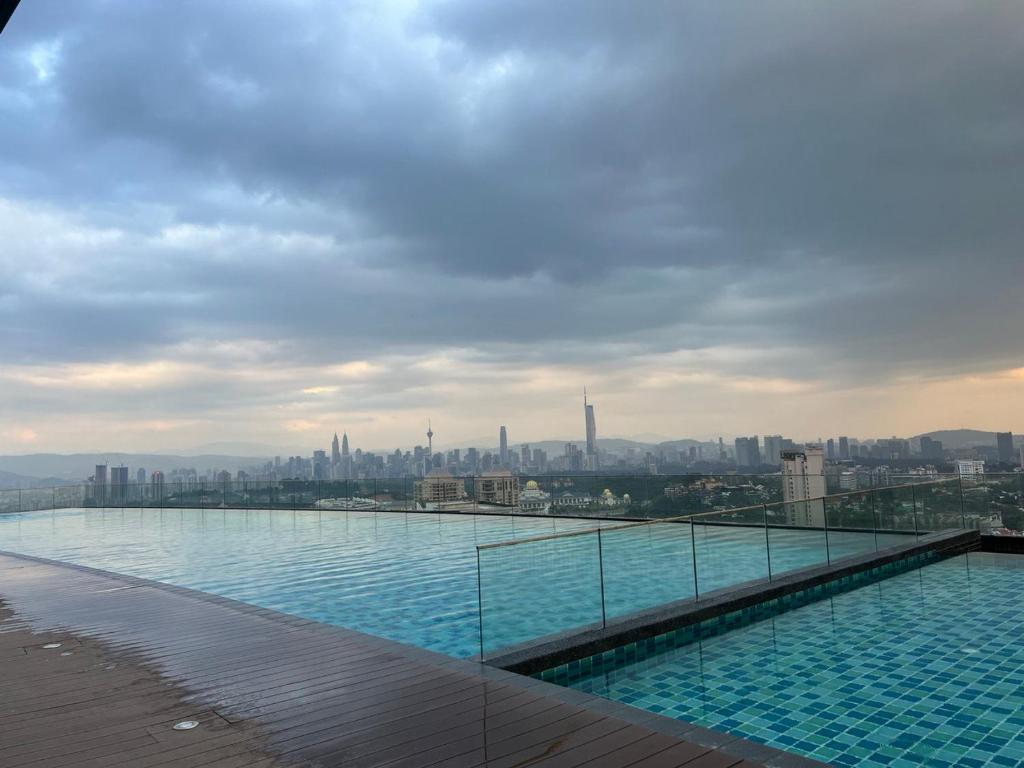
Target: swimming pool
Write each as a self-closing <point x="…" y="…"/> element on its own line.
<point x="410" y="577"/>
<point x="924" y="668"/>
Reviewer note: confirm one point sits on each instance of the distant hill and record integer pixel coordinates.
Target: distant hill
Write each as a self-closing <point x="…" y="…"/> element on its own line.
<point x="966" y="438"/>
<point x="12" y="480"/>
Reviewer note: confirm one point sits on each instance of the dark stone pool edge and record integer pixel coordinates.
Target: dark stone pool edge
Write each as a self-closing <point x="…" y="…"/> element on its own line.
<point x="731" y="607"/>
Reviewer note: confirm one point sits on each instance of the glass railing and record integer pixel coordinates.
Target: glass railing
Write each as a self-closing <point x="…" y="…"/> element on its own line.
<point x="618" y="497"/>
<point x="546" y="587"/>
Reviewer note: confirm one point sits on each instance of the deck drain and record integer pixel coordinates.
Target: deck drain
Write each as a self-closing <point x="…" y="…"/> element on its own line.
<point x="186" y="725"/>
<point x="49" y="646"/>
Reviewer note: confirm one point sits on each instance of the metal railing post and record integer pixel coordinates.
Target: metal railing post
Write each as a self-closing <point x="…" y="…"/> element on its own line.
<point x="874" y="515"/>
<point x="600" y="567"/>
<point x="767" y="543"/>
<point x="963" y="515"/>
<point x="480" y="603"/>
<point x="913" y="506"/>
<point x="824" y="517"/>
<point x="693" y="547"/>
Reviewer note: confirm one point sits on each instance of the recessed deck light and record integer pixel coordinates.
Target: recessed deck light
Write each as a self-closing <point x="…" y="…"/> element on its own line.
<point x="968" y="649"/>
<point x="53" y="645"/>
<point x="65" y="653"/>
<point x="186" y="725"/>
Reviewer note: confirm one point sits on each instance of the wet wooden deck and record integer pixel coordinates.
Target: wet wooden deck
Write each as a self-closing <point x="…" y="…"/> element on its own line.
<point x="271" y="689"/>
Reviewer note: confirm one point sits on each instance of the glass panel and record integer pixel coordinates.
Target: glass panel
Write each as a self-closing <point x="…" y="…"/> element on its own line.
<point x="895" y="512"/>
<point x="36" y="498"/>
<point x="938" y="506"/>
<point x="851" y="525"/>
<point x="796" y="535"/>
<point x="646" y="565"/>
<point x="1001" y="502"/>
<point x="731" y="548"/>
<point x="537" y="589"/>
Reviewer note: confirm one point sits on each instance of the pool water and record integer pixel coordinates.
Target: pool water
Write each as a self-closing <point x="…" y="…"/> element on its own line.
<point x="923" y="668"/>
<point x="412" y="577"/>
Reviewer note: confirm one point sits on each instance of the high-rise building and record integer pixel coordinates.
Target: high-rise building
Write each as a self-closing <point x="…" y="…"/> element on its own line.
<point x="346" y="459"/>
<point x="99" y="484"/>
<point x="503" y="446"/>
<point x="591" y="461"/>
<point x="335" y="451"/>
<point x="830" y="449"/>
<point x="844" y="447"/>
<point x="1004" y="444"/>
<point x="319" y="465"/>
<point x="931" y="449"/>
<point x="573" y="457"/>
<point x="747" y="452"/>
<point x="803" y="486"/>
<point x="140" y="476"/>
<point x="156" y="481"/>
<point x="430" y="442"/>
<point x="118" y="483"/>
<point x="772" y="450"/>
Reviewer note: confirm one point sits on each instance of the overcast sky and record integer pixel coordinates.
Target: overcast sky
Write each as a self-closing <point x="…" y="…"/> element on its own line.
<point x="264" y="221"/>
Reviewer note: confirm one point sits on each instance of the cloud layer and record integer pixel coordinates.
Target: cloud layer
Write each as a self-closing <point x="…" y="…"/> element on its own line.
<point x="265" y="218"/>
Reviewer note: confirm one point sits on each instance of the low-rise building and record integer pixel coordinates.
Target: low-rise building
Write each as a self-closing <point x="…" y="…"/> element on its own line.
<point x="438" y="487"/>
<point x="500" y="487"/>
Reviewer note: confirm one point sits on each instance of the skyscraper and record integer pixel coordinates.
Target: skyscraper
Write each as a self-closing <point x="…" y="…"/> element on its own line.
<point x="99" y="483"/>
<point x="747" y="452"/>
<point x="118" y="483"/>
<point x="773" y="450"/>
<point x="430" y="440"/>
<point x="503" y="447"/>
<point x="591" y="426"/>
<point x="844" y="447"/>
<point x="335" y="451"/>
<point x="803" y="479"/>
<point x="346" y="459"/>
<point x="1004" y="443"/>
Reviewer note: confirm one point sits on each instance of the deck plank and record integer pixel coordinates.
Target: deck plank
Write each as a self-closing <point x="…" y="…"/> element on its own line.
<point x="270" y="690"/>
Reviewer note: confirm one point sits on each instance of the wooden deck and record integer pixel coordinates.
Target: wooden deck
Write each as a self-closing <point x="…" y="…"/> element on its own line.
<point x="270" y="689"/>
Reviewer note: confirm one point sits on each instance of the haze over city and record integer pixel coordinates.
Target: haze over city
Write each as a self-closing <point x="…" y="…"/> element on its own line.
<point x="724" y="219"/>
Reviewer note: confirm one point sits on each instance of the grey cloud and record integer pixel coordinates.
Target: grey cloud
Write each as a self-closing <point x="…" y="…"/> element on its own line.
<point x="855" y="167"/>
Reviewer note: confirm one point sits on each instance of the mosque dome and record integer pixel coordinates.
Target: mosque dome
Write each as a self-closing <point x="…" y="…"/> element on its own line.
<point x="607" y="493"/>
<point x="531" y="485"/>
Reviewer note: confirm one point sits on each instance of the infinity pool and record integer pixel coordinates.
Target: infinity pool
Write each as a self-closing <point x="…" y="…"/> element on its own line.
<point x="924" y="668"/>
<point x="410" y="577"/>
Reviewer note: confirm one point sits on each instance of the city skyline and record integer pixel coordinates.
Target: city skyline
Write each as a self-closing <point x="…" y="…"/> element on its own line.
<point x="478" y="211"/>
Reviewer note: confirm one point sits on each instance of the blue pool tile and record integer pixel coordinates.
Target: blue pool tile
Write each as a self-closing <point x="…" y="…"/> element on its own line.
<point x="922" y="668"/>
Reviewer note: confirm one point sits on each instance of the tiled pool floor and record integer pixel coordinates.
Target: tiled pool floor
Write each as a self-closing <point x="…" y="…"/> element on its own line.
<point x="412" y="577"/>
<point x="924" y="668"/>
